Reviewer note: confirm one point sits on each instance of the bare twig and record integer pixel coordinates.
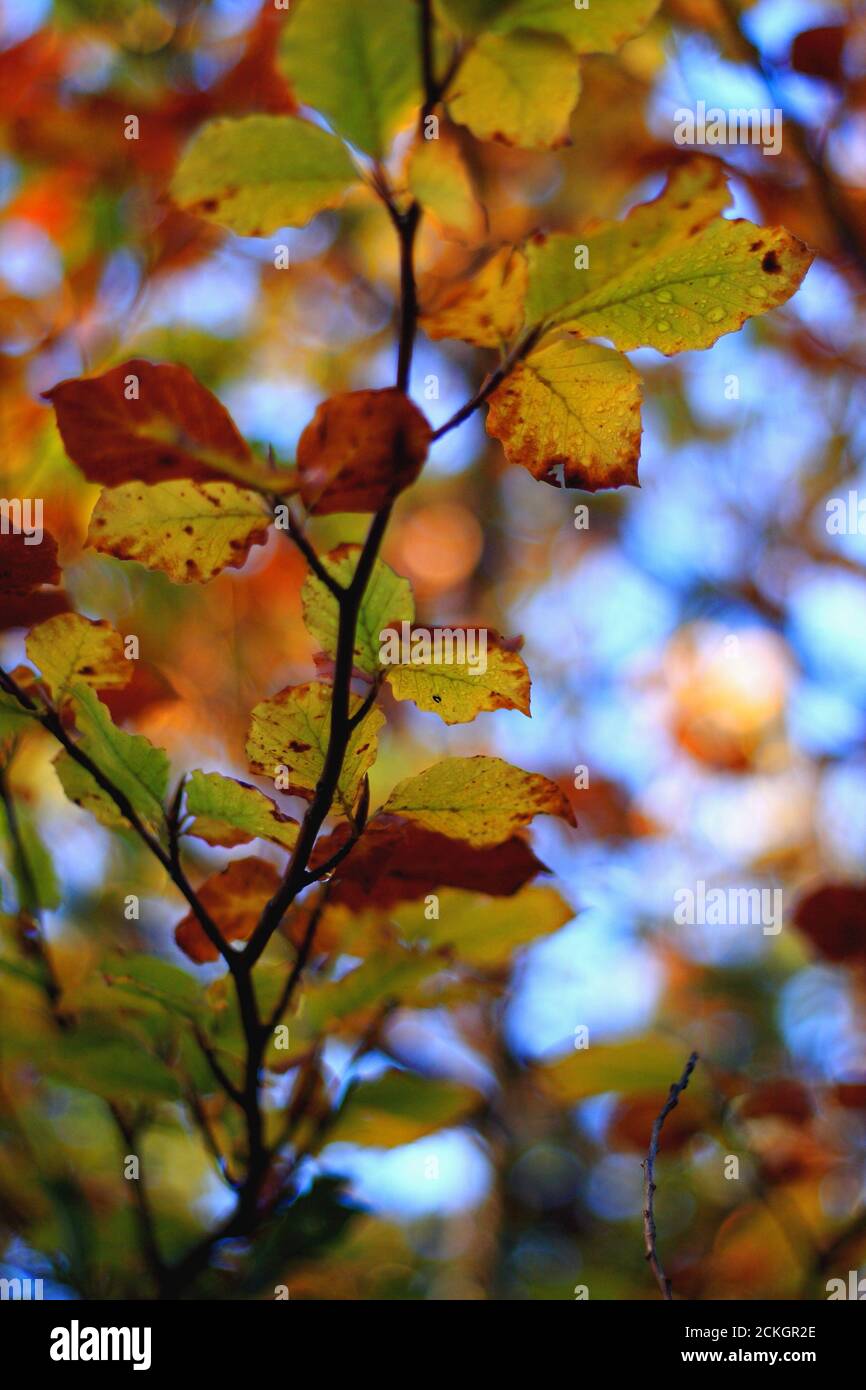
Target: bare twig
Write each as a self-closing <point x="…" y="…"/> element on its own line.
<point x="649" y="1223"/>
<point x="520" y="350"/>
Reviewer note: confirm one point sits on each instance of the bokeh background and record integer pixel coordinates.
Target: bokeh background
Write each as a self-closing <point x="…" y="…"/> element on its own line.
<point x="699" y="647"/>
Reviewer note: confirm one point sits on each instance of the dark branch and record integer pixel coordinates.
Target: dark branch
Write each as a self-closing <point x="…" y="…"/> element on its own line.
<point x="649" y="1222"/>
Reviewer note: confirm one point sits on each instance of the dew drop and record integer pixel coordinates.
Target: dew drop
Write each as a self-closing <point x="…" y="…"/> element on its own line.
<point x="663" y="326"/>
<point x="716" y="315"/>
<point x="664" y="296"/>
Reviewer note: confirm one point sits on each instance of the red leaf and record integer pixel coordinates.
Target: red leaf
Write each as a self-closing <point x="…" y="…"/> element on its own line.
<point x="399" y="861"/>
<point x="818" y="52"/>
<point x="175" y="429"/>
<point x="360" y="449"/>
<point x="834" y="919"/>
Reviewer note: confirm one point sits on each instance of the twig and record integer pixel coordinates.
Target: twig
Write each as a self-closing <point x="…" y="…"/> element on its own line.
<point x="520" y="350"/>
<point x="649" y="1222"/>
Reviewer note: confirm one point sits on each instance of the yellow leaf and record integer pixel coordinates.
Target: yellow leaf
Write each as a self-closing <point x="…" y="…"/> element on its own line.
<point x="291" y="731"/>
<point x="599" y="26"/>
<point x="440" y="181"/>
<point x="481" y="930"/>
<point x="635" y="1067"/>
<point x="229" y="813"/>
<point x="574" y="406"/>
<point x="481" y="800"/>
<point x="673" y="275"/>
<point x="261" y="173"/>
<point x="387" y="602"/>
<point x="70" y="648"/>
<point x="517" y="89"/>
<point x="458" y="691"/>
<point x="486" y="310"/>
<point x="189" y="531"/>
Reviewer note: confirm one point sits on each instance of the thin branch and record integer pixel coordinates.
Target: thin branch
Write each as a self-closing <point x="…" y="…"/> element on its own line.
<point x="520" y="350"/>
<point x="50" y="720"/>
<point x="649" y="1222"/>
<point x="312" y="558"/>
<point x="838" y="210"/>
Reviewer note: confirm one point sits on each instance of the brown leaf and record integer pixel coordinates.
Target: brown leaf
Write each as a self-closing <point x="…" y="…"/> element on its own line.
<point x="234" y="898"/>
<point x="175" y="428"/>
<point x="631" y="1124"/>
<point x="818" y="52"/>
<point x="360" y="450"/>
<point x="23" y="567"/>
<point x="784" y="1097"/>
<point x="398" y="861"/>
<point x="834" y="919"/>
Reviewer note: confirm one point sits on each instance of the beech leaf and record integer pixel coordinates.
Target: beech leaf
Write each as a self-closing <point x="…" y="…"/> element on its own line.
<point x="387" y="602"/>
<point x="234" y="898"/>
<point x="458" y="691"/>
<point x="228" y="813"/>
<point x="486" y="309"/>
<point x="481" y="800"/>
<point x="360" y="450"/>
<point x="70" y="649"/>
<point x="517" y="89"/>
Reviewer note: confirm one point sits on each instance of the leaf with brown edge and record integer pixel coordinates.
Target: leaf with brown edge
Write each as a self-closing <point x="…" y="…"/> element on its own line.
<point x="397" y="860"/>
<point x="486" y="309"/>
<point x="69" y="649"/>
<point x="228" y="812"/>
<point x="574" y="408"/>
<point x="234" y="899"/>
<point x="483" y="931"/>
<point x="517" y="89"/>
<point x="288" y="738"/>
<point x="360" y="450"/>
<point x="673" y="275"/>
<point x="189" y="531"/>
<point x="458" y="691"/>
<point x="481" y="800"/>
<point x="833" y="917"/>
<point x="172" y="428"/>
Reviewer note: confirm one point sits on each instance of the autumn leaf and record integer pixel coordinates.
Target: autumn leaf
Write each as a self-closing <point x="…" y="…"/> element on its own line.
<point x="356" y="64"/>
<point x="458" y="690"/>
<point x="70" y="649"/>
<point x="440" y="180"/>
<point x="833" y="917"/>
<point x="484" y="931"/>
<point x="599" y="27"/>
<point x="24" y="568"/>
<point x="518" y="89"/>
<point x="574" y="407"/>
<point x="360" y="450"/>
<point x="228" y="812"/>
<point x="485" y="310"/>
<point x="153" y="423"/>
<point x="636" y="1067"/>
<point x="133" y="765"/>
<point x="481" y="800"/>
<point x="387" y="602"/>
<point x="674" y="275"/>
<point x="291" y="731"/>
<point x="398" y="1108"/>
<point x="398" y="860"/>
<point x="259" y="173"/>
<point x="234" y="898"/>
<point x="190" y="531"/>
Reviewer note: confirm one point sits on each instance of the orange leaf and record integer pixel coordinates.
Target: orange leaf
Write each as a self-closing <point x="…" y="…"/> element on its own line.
<point x="234" y="898"/>
<point x="360" y="449"/>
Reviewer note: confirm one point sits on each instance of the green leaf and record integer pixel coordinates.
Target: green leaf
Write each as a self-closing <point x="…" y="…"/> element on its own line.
<point x="229" y="813"/>
<point x="358" y="64"/>
<point x="69" y="649"/>
<point x="646" y="1065"/>
<point x="14" y="718"/>
<point x="398" y="1108"/>
<point x="291" y="731"/>
<point x="572" y="406"/>
<point x="442" y="184"/>
<point x="387" y="602"/>
<point x="599" y="26"/>
<point x="480" y="800"/>
<point x="147" y="977"/>
<point x="260" y="173"/>
<point x="484" y="931"/>
<point x="673" y="275"/>
<point x="517" y="89"/>
<point x="189" y="531"/>
<point x="36" y="885"/>
<point x="132" y="763"/>
<point x="116" y="1067"/>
